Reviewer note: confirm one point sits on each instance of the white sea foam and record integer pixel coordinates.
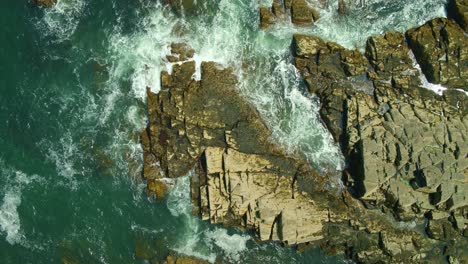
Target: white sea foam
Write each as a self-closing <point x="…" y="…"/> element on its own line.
<point x="9" y="218"/>
<point x="231" y="245"/>
<point x="194" y="241"/>
<point x="13" y="184"/>
<point x="375" y="18"/>
<point x="436" y="88"/>
<point x="62" y="19"/>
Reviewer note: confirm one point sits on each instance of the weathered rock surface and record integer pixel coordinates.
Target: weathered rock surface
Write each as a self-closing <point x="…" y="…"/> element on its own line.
<point x="45" y="3"/>
<point x="458" y="10"/>
<point x="243" y="179"/>
<point x="405" y="145"/>
<point x="441" y="50"/>
<point x="299" y="11"/>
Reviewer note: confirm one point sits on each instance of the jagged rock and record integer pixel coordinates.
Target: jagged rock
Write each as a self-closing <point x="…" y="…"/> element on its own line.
<point x="403" y="143"/>
<point x="440" y="48"/>
<point x="267" y="18"/>
<point x="45" y="3"/>
<point x="262" y="194"/>
<point x="158" y="188"/>
<point x="301" y="13"/>
<point x="244" y="179"/>
<point x="458" y="10"/>
<point x="390" y="57"/>
<point x="180" y="52"/>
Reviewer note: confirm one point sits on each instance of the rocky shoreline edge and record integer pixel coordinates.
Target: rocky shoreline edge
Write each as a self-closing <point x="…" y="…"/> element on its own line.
<point x="405" y="147"/>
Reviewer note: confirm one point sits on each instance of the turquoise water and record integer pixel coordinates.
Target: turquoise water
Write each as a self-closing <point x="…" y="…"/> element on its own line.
<point x="72" y="82"/>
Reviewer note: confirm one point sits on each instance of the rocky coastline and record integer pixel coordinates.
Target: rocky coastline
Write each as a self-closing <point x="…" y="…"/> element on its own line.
<point x="405" y="146"/>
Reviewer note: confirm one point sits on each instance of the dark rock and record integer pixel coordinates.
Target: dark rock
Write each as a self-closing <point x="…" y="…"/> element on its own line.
<point x="180" y="52"/>
<point x="440" y="48"/>
<point x="301" y="13"/>
<point x="342" y="7"/>
<point x="458" y="10"/>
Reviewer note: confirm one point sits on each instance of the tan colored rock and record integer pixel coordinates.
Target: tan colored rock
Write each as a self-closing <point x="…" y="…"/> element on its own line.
<point x="157" y="188"/>
<point x="267" y="18"/>
<point x="301" y="13"/>
<point x="248" y="187"/>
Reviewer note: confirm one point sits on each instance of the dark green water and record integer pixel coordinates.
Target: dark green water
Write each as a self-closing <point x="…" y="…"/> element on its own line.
<point x="72" y="82"/>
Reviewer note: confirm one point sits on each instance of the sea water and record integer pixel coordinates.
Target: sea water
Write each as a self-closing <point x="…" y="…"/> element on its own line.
<point x="72" y="104"/>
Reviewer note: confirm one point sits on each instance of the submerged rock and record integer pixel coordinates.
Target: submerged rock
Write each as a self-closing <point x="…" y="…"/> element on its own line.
<point x="45" y="3"/>
<point x="342" y="7"/>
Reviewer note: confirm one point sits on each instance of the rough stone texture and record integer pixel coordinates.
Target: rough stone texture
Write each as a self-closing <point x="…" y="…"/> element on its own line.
<point x="45" y="3"/>
<point x="458" y="10"/>
<point x="300" y="12"/>
<point x="180" y="52"/>
<point x="267" y="18"/>
<point x="405" y="146"/>
<point x="267" y="199"/>
<point x="243" y="179"/>
<point x="441" y="50"/>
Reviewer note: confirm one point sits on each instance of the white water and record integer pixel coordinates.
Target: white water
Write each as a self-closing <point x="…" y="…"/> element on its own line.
<point x="13" y="183"/>
<point x="267" y="78"/>
<point x="195" y="240"/>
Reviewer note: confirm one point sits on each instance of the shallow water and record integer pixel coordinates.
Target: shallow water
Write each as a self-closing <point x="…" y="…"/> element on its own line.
<point x="72" y="103"/>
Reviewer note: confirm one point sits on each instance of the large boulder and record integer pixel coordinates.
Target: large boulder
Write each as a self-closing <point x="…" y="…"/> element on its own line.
<point x="440" y="48"/>
<point x="299" y="11"/>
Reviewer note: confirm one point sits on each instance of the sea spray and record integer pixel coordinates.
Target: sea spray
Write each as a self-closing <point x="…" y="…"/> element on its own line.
<point x="196" y="240"/>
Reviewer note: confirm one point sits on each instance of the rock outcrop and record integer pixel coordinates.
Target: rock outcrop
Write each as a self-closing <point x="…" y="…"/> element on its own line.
<point x="299" y="12"/>
<point x="405" y="145"/>
<point x="243" y="179"/>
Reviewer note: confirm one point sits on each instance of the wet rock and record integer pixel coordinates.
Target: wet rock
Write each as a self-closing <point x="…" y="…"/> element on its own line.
<point x="173" y="259"/>
<point x="301" y="13"/>
<point x="180" y="52"/>
<point x="440" y="48"/>
<point x="267" y="18"/>
<point x="157" y="188"/>
<point x="45" y="3"/>
<point x="342" y="7"/>
<point x="458" y="10"/>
